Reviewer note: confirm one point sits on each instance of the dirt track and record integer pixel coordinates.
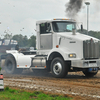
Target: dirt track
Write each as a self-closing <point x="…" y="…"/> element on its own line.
<point x="75" y="84"/>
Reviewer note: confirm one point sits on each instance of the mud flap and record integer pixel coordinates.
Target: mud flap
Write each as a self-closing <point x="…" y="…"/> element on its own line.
<point x="1" y="82"/>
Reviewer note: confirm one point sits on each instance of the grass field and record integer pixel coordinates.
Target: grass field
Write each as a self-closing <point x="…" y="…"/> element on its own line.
<point x="12" y="94"/>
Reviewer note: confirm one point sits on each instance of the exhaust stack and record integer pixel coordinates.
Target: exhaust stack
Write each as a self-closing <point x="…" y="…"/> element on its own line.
<point x="73" y="32"/>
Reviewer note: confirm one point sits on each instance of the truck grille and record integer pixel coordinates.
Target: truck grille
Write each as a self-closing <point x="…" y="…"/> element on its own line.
<point x="91" y="49"/>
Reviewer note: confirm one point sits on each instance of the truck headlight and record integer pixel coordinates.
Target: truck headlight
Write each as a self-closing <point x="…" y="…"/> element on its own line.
<point x="72" y="55"/>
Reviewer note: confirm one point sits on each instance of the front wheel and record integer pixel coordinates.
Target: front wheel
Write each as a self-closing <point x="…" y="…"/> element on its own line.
<point x="59" y="68"/>
<point x="90" y="72"/>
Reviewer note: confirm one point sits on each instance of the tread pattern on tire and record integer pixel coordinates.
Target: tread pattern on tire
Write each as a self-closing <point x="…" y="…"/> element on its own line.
<point x="64" y="67"/>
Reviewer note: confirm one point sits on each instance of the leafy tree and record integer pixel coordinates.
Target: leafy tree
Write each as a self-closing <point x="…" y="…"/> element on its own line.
<point x="95" y="34"/>
<point x="22" y="40"/>
<point x="32" y="41"/>
<point x="7" y="36"/>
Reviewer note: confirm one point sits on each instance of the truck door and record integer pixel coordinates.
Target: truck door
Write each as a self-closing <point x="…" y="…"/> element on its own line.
<point x="45" y="36"/>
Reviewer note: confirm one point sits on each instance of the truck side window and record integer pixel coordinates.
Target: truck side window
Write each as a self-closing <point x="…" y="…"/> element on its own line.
<point x="45" y="28"/>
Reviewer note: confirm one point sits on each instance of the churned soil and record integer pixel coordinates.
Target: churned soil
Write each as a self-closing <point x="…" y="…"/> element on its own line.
<point x="74" y="85"/>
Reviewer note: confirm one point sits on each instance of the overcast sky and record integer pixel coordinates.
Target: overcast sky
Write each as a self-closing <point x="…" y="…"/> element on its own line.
<point x="20" y="16"/>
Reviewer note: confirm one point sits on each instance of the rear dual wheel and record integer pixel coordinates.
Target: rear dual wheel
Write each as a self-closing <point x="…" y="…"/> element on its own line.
<point x="59" y="68"/>
<point x="10" y="66"/>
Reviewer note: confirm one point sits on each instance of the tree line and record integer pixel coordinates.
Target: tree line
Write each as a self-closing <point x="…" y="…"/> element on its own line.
<point x="23" y="41"/>
<point x="95" y="34"/>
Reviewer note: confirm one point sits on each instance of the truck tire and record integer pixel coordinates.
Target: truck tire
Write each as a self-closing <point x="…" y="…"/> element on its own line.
<point x="58" y="68"/>
<point x="10" y="66"/>
<point x="89" y="74"/>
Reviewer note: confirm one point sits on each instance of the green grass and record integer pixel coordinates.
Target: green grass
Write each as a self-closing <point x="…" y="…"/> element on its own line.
<point x="12" y="94"/>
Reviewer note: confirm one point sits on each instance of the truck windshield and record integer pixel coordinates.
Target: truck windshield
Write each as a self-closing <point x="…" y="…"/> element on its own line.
<point x="63" y="26"/>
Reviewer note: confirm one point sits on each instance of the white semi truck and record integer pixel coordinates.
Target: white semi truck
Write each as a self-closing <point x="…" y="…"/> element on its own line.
<point x="60" y="49"/>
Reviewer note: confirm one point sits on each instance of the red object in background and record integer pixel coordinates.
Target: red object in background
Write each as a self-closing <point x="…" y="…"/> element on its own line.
<point x="1" y="76"/>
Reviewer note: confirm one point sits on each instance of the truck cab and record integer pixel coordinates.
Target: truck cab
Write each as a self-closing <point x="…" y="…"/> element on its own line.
<point x="49" y="32"/>
<point x="60" y="49"/>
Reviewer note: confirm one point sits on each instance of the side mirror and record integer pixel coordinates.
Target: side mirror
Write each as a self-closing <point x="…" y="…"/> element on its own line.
<point x="81" y="27"/>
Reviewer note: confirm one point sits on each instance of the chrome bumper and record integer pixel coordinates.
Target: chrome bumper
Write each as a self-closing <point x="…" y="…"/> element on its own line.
<point x="86" y="63"/>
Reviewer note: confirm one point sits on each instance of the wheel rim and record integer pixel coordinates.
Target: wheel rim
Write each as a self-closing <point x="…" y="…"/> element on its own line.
<point x="57" y="68"/>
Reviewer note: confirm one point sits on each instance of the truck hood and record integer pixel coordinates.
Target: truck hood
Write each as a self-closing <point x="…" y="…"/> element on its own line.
<point x="77" y="36"/>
